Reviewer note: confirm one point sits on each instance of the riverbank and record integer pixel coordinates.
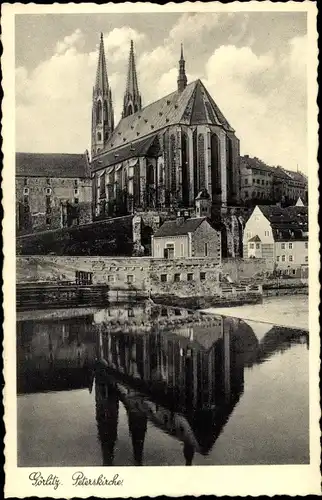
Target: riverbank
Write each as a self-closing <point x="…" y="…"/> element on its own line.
<point x="287" y="311"/>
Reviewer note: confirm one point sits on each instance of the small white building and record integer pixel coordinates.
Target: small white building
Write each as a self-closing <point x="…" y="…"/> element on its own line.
<point x="279" y="235"/>
<point x="182" y="238"/>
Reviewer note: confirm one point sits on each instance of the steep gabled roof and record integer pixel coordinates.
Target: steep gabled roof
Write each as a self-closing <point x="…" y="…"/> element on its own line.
<point x="52" y="165"/>
<point x="287" y="223"/>
<point x="192" y="106"/>
<point x="178" y="227"/>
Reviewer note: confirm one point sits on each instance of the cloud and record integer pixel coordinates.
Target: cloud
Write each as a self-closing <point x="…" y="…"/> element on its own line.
<point x="117" y="42"/>
<point x="256" y="95"/>
<point x="192" y="26"/>
<point x="76" y="39"/>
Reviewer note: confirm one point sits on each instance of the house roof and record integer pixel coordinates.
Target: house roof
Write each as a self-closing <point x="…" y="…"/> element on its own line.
<point x="192" y="106"/>
<point x="255" y="238"/>
<point x="278" y="171"/>
<point x="255" y="163"/>
<point x="52" y="165"/>
<point x="179" y="227"/>
<point x="287" y="223"/>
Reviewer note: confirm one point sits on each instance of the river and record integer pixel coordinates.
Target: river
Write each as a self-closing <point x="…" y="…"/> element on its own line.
<point x="135" y="384"/>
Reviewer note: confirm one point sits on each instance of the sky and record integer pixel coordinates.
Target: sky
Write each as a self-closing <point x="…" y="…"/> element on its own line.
<point x="253" y="64"/>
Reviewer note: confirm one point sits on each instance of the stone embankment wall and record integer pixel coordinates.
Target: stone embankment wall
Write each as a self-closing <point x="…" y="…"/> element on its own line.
<point x="238" y="269"/>
<point x="179" y="276"/>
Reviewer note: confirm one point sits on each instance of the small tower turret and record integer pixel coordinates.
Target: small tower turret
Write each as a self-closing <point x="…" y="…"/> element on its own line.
<point x="182" y="78"/>
<point x="203" y="204"/>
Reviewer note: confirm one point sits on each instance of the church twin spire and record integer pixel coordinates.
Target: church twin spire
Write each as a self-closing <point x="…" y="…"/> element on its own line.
<point x="102" y="109"/>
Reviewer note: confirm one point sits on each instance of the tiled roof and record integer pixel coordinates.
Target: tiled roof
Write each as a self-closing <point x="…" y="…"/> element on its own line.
<point x="255" y="163"/>
<point x="132" y="150"/>
<point x="287" y="223"/>
<point x="178" y="227"/>
<point x="192" y="106"/>
<point x="278" y="171"/>
<point x="52" y="165"/>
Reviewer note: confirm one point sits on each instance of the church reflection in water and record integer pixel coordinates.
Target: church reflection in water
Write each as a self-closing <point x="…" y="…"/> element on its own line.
<point x="184" y="379"/>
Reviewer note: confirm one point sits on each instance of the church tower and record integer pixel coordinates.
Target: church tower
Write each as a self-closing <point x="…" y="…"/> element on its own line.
<point x="182" y="78"/>
<point x="102" y="107"/>
<point x="132" y="98"/>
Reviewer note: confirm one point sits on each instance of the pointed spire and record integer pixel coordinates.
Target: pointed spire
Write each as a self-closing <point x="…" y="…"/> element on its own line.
<point x="102" y="107"/>
<point x="132" y="98"/>
<point x="182" y="78"/>
<point x="181" y="58"/>
<point x="101" y="82"/>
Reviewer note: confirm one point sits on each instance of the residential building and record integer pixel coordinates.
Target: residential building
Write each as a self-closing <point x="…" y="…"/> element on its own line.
<point x="160" y="156"/>
<point x="279" y="235"/>
<point x="261" y="183"/>
<point x="256" y="180"/>
<point x="52" y="191"/>
<point x="182" y="238"/>
<point x="288" y="186"/>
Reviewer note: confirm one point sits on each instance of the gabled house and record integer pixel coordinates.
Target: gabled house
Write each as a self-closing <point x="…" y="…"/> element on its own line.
<point x="279" y="235"/>
<point x="182" y="238"/>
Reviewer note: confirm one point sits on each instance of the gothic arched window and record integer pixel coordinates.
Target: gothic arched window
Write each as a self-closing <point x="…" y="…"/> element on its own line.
<point x="173" y="163"/>
<point x="99" y="112"/>
<point x="215" y="168"/>
<point x="99" y="136"/>
<point x="105" y="111"/>
<point x="130" y="109"/>
<point x="185" y="168"/>
<point x="201" y="161"/>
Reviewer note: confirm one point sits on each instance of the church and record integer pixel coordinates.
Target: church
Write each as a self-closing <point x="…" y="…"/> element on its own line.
<point x="160" y="156"/>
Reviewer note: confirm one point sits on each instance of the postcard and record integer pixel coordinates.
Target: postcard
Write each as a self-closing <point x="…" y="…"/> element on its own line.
<point x="161" y="249"/>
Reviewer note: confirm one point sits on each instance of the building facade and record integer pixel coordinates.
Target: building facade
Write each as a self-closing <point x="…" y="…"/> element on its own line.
<point x="261" y="183"/>
<point x="187" y="238"/>
<point x="52" y="191"/>
<point x="279" y="235"/>
<point x="160" y="156"/>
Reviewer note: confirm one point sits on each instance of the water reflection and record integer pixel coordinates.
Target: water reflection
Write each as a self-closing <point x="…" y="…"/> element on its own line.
<point x="178" y="371"/>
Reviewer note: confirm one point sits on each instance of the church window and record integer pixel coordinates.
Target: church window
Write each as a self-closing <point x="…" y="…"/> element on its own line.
<point x="185" y="169"/>
<point x="25" y="181"/>
<point x="130" y="109"/>
<point x="173" y="163"/>
<point x="201" y="163"/>
<point x="215" y="168"/>
<point x="229" y="168"/>
<point x="105" y="111"/>
<point x="99" y="136"/>
<point x="25" y="191"/>
<point x="99" y="112"/>
<point x="48" y="191"/>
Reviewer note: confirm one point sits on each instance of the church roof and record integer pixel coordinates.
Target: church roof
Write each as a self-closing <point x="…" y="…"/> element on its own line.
<point x="192" y="106"/>
<point x="131" y="150"/>
<point x="52" y="165"/>
<point x="179" y="228"/>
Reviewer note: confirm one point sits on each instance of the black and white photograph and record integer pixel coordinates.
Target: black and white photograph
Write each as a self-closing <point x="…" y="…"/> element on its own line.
<point x="161" y="222"/>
